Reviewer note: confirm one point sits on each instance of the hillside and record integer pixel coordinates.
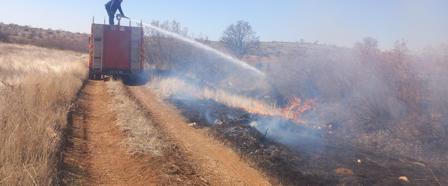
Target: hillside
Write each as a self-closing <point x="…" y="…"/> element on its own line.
<point x="57" y="39"/>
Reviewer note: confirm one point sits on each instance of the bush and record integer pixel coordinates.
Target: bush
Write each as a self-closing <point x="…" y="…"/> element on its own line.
<point x="4" y="37"/>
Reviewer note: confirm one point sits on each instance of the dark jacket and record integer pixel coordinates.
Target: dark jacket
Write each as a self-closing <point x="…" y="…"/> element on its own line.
<point x="114" y="5"/>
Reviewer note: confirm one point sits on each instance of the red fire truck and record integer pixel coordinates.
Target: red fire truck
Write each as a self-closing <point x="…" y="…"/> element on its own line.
<point x="116" y="51"/>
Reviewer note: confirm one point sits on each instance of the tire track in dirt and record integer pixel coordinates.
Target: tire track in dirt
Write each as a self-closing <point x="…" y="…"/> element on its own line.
<point x="217" y="162"/>
<point x="94" y="154"/>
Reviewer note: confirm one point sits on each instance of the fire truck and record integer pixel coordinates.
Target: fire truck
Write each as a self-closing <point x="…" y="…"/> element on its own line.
<point x="117" y="51"/>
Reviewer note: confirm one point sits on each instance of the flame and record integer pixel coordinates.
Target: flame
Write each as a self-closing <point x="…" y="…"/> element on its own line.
<point x="297" y="108"/>
<point x="293" y="111"/>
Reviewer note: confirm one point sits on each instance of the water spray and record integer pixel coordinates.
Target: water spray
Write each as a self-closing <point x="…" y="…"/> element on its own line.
<point x="197" y="45"/>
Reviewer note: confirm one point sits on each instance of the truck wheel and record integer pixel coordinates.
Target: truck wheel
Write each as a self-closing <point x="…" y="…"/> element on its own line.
<point x="115" y="77"/>
<point x="96" y="76"/>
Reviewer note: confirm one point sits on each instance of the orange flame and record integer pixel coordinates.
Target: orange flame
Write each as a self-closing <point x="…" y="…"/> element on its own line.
<point x="297" y="108"/>
<point x="294" y="111"/>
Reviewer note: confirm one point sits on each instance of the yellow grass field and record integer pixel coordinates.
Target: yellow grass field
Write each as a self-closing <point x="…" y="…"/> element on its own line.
<point x="37" y="88"/>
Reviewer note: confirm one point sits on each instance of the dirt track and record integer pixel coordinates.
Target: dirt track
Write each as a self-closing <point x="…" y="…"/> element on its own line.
<point x="95" y="154"/>
<point x="220" y="163"/>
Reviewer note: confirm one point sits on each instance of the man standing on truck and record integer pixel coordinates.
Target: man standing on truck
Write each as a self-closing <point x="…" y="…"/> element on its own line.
<point x="111" y="7"/>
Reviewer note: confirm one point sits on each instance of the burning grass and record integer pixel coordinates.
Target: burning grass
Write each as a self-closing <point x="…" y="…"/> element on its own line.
<point x="175" y="87"/>
<point x="310" y="157"/>
<point x="293" y="154"/>
<point x="36" y="91"/>
<point x="393" y="101"/>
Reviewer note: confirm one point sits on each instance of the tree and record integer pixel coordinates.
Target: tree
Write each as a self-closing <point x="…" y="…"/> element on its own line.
<point x="240" y="38"/>
<point x="400" y="49"/>
<point x="369" y="53"/>
<point x="368" y="47"/>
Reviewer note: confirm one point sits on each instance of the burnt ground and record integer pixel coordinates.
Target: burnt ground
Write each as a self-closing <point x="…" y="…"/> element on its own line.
<point x="313" y="159"/>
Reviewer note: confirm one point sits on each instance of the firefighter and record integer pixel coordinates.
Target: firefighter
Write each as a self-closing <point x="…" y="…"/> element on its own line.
<point x="111" y="7"/>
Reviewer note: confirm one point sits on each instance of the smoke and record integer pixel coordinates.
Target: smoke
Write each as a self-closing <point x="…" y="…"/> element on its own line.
<point x="390" y="101"/>
<point x="218" y="106"/>
<point x="387" y="101"/>
<point x="204" y="47"/>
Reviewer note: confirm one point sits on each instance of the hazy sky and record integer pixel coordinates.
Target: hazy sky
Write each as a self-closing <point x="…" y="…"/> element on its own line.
<point x="340" y="22"/>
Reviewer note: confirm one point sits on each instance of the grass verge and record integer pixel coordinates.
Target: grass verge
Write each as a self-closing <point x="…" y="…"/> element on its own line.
<point x="36" y="91"/>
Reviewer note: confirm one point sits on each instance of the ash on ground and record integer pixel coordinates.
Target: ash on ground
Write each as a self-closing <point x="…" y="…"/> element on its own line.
<point x="292" y="154"/>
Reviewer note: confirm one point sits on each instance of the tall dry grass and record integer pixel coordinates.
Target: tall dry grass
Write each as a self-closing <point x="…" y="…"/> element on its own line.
<point x="36" y="91"/>
<point x="175" y="87"/>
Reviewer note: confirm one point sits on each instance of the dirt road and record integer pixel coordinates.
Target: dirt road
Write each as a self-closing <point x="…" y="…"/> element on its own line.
<point x="95" y="154"/>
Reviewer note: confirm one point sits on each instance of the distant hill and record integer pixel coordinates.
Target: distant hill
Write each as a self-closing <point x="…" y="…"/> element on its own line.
<point x="58" y="39"/>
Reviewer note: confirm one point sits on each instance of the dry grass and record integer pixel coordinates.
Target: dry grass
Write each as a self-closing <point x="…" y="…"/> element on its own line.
<point x="36" y="91"/>
<point x="143" y="136"/>
<point x="168" y="87"/>
<point x="171" y="86"/>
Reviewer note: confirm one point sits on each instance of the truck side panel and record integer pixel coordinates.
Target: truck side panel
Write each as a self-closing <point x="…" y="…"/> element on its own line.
<point x="117" y="51"/>
<point x="136" y="49"/>
<point x="97" y="40"/>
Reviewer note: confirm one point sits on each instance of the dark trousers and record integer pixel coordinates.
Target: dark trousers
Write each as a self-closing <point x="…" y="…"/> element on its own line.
<point x="111" y="16"/>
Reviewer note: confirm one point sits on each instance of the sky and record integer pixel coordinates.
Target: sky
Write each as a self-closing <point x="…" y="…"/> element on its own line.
<point x="420" y="23"/>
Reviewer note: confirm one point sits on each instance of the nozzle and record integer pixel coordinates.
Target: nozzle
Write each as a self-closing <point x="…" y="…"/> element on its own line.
<point x="119" y="17"/>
